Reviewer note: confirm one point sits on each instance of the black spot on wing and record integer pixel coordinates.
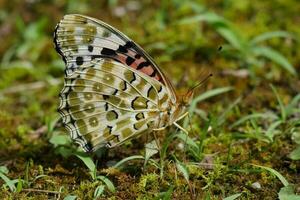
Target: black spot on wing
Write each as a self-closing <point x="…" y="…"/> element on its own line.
<point x="108" y="52"/>
<point x="143" y="64"/>
<point x="122" y="49"/>
<point x="160" y="89"/>
<point x="125" y="86"/>
<point x="129" y="44"/>
<point x="90" y="48"/>
<point x="105" y="97"/>
<point x="133" y="78"/>
<point x="153" y="73"/>
<point x="129" y="60"/>
<point x="96" y="56"/>
<point x="115" y="92"/>
<point x="110" y="129"/>
<point x="79" y="60"/>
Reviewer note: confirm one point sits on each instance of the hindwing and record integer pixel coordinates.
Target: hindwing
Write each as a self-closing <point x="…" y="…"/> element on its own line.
<point x="104" y="103"/>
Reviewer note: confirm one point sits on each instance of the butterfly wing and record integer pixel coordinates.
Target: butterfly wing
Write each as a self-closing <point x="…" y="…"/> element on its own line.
<point x="104" y="103"/>
<point x="80" y="39"/>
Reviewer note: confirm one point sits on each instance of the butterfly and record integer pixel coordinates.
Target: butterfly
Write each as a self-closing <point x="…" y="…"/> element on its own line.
<point x="113" y="90"/>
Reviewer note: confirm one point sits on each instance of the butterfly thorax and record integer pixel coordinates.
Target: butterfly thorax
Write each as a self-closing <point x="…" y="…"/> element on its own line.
<point x="168" y="115"/>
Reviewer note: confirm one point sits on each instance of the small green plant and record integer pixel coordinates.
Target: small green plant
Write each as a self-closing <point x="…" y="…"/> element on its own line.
<point x="89" y="163"/>
<point x="14" y="185"/>
<point x="284" y="121"/>
<point x="63" y="146"/>
<point x="287" y="192"/>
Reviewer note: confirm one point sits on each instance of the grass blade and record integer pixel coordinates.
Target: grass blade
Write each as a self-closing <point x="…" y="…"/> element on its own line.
<point x="270" y="35"/>
<point x="108" y="183"/>
<point x="207" y="95"/>
<point x="88" y="161"/>
<point x="99" y="191"/>
<point x="276" y="173"/>
<point x="254" y="116"/>
<point x="282" y="108"/>
<point x="8" y="182"/>
<point x="275" y="57"/>
<point x="151" y="149"/>
<point x="183" y="170"/>
<point x="121" y="162"/>
<point x="232" y="197"/>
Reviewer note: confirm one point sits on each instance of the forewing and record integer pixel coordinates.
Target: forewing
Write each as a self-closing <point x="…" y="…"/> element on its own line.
<point x="104" y="103"/>
<point x="80" y="39"/>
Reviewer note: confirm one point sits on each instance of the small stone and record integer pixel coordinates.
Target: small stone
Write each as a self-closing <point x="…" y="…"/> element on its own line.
<point x="256" y="185"/>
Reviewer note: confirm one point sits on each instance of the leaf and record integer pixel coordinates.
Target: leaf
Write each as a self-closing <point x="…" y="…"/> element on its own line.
<point x="3" y="169"/>
<point x="121" y="162"/>
<point x="274" y="56"/>
<point x="287" y="193"/>
<point x="20" y="185"/>
<point x="295" y="154"/>
<point x="232" y="197"/>
<point x="221" y="119"/>
<point x="276" y="173"/>
<point x="254" y="116"/>
<point x="107" y="182"/>
<point x="70" y="197"/>
<point x="150" y="150"/>
<point x="183" y="169"/>
<point x="296" y="136"/>
<point x="168" y="194"/>
<point x="271" y="131"/>
<point x="185" y="138"/>
<point x="7" y="181"/>
<point x="99" y="191"/>
<point x="208" y="17"/>
<point x="206" y="95"/>
<point x="57" y="140"/>
<point x="270" y="35"/>
<point x="291" y="108"/>
<point x="88" y="161"/>
<point x="231" y="36"/>
<point x="282" y="109"/>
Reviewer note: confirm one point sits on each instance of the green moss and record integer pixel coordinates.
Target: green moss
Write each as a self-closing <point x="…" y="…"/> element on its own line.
<point x="31" y="75"/>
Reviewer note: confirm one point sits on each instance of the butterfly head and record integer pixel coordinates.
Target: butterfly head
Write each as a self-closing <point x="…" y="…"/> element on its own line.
<point x="187" y="98"/>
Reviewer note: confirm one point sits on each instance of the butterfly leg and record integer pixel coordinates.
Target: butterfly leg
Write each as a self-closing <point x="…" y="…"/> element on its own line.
<point x="159" y="129"/>
<point x="156" y="141"/>
<point x="179" y="118"/>
<point x="182" y="116"/>
<point x="180" y="127"/>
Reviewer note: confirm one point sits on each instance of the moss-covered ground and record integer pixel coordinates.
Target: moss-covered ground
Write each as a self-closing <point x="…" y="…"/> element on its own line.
<point x="244" y="135"/>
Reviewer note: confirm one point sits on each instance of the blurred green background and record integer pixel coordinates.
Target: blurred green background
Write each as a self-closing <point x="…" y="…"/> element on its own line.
<point x="247" y="113"/>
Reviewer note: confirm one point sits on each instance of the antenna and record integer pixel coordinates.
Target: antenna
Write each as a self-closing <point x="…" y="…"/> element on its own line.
<point x="201" y="82"/>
